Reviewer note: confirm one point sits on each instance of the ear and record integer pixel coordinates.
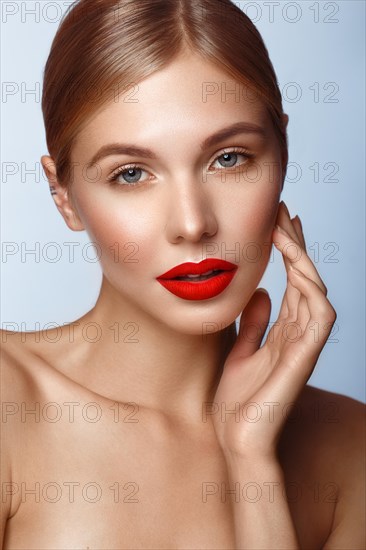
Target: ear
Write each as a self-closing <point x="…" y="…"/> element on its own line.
<point x="61" y="195"/>
<point x="285" y="120"/>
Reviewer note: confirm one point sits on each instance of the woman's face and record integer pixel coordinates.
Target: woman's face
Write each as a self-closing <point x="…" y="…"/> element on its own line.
<point x="193" y="195"/>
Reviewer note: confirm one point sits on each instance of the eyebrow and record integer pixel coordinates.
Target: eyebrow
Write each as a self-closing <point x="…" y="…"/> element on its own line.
<point x="217" y="137"/>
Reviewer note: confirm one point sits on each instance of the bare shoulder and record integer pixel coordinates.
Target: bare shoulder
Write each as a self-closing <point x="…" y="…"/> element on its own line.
<point x="25" y="380"/>
<point x="334" y="417"/>
<point x="347" y="451"/>
<point x="326" y="437"/>
<point x="16" y="378"/>
<point x="17" y="387"/>
<point x="23" y="375"/>
<point x="20" y="368"/>
<point x="330" y="424"/>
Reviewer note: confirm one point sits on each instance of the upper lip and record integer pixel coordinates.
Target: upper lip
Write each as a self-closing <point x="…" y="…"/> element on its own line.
<point x="190" y="268"/>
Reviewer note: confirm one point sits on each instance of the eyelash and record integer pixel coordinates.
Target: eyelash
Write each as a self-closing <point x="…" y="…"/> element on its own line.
<point x="112" y="179"/>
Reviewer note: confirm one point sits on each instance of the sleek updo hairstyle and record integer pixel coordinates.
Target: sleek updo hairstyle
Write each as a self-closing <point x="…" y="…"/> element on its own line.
<point x="104" y="47"/>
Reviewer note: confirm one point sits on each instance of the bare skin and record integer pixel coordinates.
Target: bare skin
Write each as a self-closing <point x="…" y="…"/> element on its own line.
<point x="125" y="421"/>
<point x="168" y="471"/>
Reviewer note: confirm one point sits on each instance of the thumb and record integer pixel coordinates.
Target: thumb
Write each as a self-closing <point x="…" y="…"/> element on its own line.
<point x="253" y="324"/>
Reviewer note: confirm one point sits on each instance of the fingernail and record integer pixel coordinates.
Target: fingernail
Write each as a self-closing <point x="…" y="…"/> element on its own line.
<point x="262" y="290"/>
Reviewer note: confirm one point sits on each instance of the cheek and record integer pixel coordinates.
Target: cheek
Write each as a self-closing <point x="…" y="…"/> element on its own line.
<point x="262" y="219"/>
<point x="250" y="222"/>
<point x="253" y="216"/>
<point x="260" y="233"/>
<point x="126" y="242"/>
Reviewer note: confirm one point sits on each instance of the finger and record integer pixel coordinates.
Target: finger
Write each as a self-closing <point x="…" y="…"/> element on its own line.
<point x="293" y="226"/>
<point x="299" y="230"/>
<point x="290" y="301"/>
<point x="297" y="256"/>
<point x="298" y="360"/>
<point x="291" y="295"/>
<point x="298" y="308"/>
<point x="284" y="220"/>
<point x="253" y="323"/>
<point x="302" y="307"/>
<point x="322" y="313"/>
<point x="284" y="311"/>
<point x="303" y="310"/>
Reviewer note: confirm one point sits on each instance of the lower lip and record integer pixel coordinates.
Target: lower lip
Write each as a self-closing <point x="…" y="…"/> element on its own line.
<point x="201" y="290"/>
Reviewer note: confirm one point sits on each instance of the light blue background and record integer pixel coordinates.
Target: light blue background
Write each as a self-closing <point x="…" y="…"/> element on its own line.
<point x="314" y="46"/>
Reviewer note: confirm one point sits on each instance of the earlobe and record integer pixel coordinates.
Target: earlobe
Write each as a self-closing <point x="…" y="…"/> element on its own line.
<point x="61" y="195"/>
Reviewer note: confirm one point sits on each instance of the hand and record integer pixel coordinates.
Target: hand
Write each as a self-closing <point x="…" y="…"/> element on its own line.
<point x="258" y="382"/>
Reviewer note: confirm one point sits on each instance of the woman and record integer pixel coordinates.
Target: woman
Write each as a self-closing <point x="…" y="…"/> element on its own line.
<point x="148" y="422"/>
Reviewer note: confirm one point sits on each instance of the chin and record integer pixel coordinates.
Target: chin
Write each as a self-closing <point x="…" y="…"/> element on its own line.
<point x="203" y="318"/>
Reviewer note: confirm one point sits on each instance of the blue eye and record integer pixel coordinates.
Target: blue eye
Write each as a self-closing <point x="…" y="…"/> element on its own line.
<point x="231" y="158"/>
<point x="133" y="173"/>
<point x="130" y="174"/>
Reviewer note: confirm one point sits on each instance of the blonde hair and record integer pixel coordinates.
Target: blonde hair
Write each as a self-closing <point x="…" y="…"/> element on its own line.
<point x="103" y="47"/>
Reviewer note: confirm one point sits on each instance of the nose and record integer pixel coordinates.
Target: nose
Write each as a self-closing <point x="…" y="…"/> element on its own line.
<point x="190" y="213"/>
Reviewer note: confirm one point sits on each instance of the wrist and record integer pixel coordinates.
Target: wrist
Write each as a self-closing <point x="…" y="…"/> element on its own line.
<point x="267" y="456"/>
<point x="258" y="465"/>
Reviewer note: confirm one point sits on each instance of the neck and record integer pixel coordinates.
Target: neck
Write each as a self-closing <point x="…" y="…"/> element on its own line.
<point x="138" y="359"/>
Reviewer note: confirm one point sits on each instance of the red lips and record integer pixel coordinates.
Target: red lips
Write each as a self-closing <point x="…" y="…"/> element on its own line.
<point x="199" y="289"/>
<point x="183" y="270"/>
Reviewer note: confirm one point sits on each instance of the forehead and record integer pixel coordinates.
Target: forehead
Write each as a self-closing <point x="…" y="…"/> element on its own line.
<point x="190" y="95"/>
